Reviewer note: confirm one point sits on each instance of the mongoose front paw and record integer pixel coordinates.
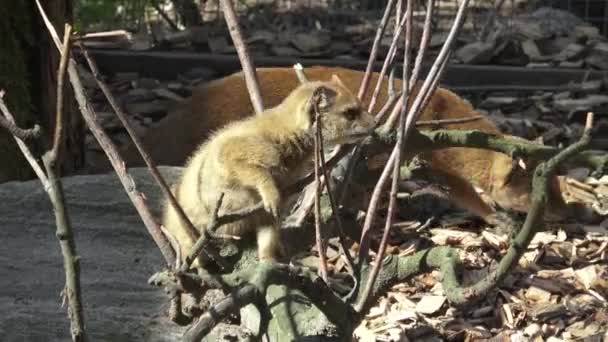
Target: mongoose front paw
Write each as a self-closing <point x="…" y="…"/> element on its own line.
<point x="271" y="202"/>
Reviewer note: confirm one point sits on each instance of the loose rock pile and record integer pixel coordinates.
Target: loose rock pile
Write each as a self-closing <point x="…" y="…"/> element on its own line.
<point x="545" y="37"/>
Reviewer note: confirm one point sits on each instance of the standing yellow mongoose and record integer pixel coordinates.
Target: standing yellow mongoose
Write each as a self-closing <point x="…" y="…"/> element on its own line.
<point x="251" y="160"/>
<point x="220" y="102"/>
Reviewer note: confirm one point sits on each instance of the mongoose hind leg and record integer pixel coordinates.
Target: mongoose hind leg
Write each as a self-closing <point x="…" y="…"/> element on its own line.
<point x="269" y="243"/>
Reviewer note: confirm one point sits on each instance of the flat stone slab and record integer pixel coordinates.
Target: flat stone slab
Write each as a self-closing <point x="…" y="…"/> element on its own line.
<point x="117" y="258"/>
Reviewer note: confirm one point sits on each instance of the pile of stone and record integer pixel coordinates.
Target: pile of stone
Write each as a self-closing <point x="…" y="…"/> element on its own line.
<point x="145" y="100"/>
<point x="545" y="37"/>
<point x="552" y="118"/>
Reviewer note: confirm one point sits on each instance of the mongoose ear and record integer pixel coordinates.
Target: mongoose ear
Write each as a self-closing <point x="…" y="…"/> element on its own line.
<point x="337" y="80"/>
<point x="323" y="98"/>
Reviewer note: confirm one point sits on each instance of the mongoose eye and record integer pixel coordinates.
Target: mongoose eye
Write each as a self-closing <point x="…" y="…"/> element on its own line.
<point x="352" y="114"/>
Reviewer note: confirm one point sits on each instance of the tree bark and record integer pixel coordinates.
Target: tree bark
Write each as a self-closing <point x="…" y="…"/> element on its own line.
<point x="28" y="74"/>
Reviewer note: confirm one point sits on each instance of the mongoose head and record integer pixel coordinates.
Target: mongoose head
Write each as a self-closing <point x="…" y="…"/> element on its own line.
<point x="341" y="115"/>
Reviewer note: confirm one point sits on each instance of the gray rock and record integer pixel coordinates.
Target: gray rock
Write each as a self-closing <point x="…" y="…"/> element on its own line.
<point x="311" y="41"/>
<point x="117" y="257"/>
<point x="598" y="56"/>
<point x="478" y="52"/>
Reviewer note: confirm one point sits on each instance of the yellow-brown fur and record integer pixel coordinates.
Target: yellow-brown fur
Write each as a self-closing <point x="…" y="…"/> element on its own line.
<point x="251" y="160"/>
<point x="220" y="102"/>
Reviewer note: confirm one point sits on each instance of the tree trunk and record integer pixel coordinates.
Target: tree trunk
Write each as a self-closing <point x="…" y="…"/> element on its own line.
<point x="28" y="73"/>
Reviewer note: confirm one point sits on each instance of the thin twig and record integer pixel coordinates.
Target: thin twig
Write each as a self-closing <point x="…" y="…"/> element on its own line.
<point x="334" y="207"/>
<point x="197" y="248"/>
<point x="251" y="79"/>
<point x="164" y="187"/>
<point x="22" y="146"/>
<point x="424" y="43"/>
<point x="320" y="241"/>
<point x="111" y="151"/>
<point x="374" y="52"/>
<point x="240" y="298"/>
<point x="441" y="122"/>
<point x="412" y="116"/>
<point x="387" y="61"/>
<point x="522" y="237"/>
<point x="371" y="279"/>
<point x="64" y="232"/>
<point x="54" y="189"/>
<point x="23" y="134"/>
<point x="300" y="73"/>
<point x="103" y="34"/>
<point x="63" y="63"/>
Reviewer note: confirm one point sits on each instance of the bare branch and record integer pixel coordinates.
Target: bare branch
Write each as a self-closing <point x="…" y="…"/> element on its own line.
<point x="112" y="152"/>
<point x="54" y="188"/>
<point x="8" y="117"/>
<point x="164" y="187"/>
<point x="399" y="146"/>
<point x="374" y="52"/>
<point x="251" y="78"/>
<point x="242" y="297"/>
<point x="11" y="127"/>
<point x="200" y="243"/>
<point x="320" y="241"/>
<point x="412" y="116"/>
<point x="392" y="51"/>
<point x="441" y="122"/>
<point x="63" y="63"/>
<point x="299" y="69"/>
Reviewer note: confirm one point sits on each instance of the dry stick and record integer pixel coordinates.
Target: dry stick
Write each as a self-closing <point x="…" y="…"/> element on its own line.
<point x="392" y="51"/>
<point x="399" y="146"/>
<point x="524" y="234"/>
<point x="8" y="122"/>
<point x="334" y="209"/>
<point x="51" y="160"/>
<point x="58" y="134"/>
<point x="440" y="122"/>
<point x="207" y="321"/>
<point x="318" y="237"/>
<point x="197" y="248"/>
<point x="102" y="34"/>
<point x="426" y="35"/>
<point x="119" y="166"/>
<point x="374" y="52"/>
<point x="339" y="150"/>
<point x="164" y="187"/>
<point x="299" y="70"/>
<point x="251" y="79"/>
<point x="431" y="80"/>
<point x="23" y="134"/>
<point x="111" y="151"/>
<point x="424" y="43"/>
<point x="53" y="187"/>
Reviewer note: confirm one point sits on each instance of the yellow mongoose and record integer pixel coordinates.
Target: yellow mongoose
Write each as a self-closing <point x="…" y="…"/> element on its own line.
<point x="251" y="160"/>
<point x="220" y="102"/>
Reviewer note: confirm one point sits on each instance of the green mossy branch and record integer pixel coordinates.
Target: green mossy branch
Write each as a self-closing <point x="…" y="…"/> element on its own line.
<point x="516" y="148"/>
<point x="253" y="282"/>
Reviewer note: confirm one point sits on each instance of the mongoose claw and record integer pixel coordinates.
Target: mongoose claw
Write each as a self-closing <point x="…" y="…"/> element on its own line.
<point x="271" y="204"/>
<point x="272" y="209"/>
